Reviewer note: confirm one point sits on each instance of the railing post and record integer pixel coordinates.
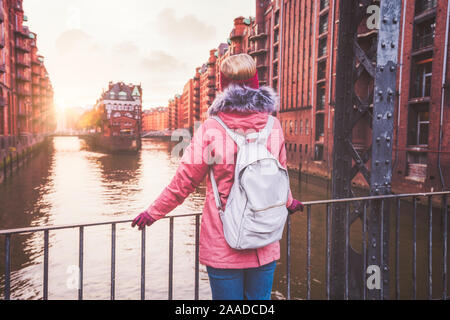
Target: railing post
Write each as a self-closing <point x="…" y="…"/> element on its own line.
<point x="288" y="259"/>
<point x="113" y="261"/>
<point x="143" y="264"/>
<point x="45" y="277"/>
<point x="197" y="262"/>
<point x="7" y="267"/>
<point x="80" y="263"/>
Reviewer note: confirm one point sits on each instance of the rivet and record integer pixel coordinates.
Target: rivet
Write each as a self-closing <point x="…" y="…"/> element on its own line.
<point x="389" y="115"/>
<point x="379" y="116"/>
<point x="392" y="68"/>
<point x="392" y="45"/>
<point x="387" y="162"/>
<point x="395" y="20"/>
<point x="373" y="257"/>
<point x="383" y="45"/>
<point x="378" y="139"/>
<point x="388" y="139"/>
<point x="380" y="92"/>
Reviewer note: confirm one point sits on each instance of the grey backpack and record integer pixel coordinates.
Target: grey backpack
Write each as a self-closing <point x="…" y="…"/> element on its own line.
<point x="255" y="213"/>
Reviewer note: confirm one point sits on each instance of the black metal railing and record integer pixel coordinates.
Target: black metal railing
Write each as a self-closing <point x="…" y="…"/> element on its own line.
<point x="367" y="202"/>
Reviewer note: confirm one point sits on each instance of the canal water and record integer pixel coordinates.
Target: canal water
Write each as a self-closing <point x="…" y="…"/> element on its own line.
<point x="67" y="183"/>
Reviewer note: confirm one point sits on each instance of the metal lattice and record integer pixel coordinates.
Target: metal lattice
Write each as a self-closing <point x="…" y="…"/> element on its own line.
<point x="376" y="66"/>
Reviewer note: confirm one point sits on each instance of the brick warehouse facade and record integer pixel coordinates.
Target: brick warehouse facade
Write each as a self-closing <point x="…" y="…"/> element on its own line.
<point x="294" y="43"/>
<point x="26" y="93"/>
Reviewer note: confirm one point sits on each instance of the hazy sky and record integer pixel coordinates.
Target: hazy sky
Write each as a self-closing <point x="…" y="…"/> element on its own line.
<point x="158" y="43"/>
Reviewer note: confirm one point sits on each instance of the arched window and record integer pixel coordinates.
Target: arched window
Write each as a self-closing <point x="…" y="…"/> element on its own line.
<point x="122" y="95"/>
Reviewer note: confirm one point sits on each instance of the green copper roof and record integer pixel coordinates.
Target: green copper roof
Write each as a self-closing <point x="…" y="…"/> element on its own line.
<point x="216" y="54"/>
<point x="25" y="18"/>
<point x="32" y="36"/>
<point x="247" y="21"/>
<point x="229" y="41"/>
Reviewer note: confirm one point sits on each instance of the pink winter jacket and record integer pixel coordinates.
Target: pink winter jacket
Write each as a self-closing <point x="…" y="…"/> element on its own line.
<point x="240" y="109"/>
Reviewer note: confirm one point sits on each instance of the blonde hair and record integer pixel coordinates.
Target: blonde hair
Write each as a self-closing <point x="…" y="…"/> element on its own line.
<point x="238" y="67"/>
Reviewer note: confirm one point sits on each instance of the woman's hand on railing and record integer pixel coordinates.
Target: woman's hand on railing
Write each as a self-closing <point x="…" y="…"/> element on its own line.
<point x="295" y="206"/>
<point x="143" y="220"/>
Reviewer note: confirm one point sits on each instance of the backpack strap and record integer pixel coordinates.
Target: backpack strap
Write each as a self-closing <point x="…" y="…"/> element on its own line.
<point x="238" y="138"/>
<point x="215" y="191"/>
<point x="264" y="134"/>
<point x="261" y="137"/>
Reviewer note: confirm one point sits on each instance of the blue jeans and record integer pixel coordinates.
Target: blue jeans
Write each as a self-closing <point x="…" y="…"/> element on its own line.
<point x="242" y="284"/>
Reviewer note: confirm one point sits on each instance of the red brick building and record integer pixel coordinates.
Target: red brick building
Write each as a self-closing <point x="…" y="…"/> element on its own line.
<point x="187" y="112"/>
<point x="156" y="119"/>
<point x="26" y="94"/>
<point x="121" y="106"/>
<point x="294" y="44"/>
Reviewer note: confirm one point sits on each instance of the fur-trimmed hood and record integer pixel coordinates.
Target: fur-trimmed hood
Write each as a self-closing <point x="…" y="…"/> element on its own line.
<point x="245" y="99"/>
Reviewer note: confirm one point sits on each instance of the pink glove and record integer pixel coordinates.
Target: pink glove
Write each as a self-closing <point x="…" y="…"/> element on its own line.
<point x="143" y="220"/>
<point x="295" y="206"/>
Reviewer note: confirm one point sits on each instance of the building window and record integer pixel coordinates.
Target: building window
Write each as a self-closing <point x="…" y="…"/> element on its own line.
<point x="276" y="36"/>
<point x="275" y="69"/>
<point x="320" y="104"/>
<point x="421" y="75"/>
<point x="323" y="24"/>
<point x="324" y="4"/>
<point x="320" y="126"/>
<point x="307" y="127"/>
<point x="424" y="5"/>
<point x="290" y="127"/>
<point x="295" y="147"/>
<point x="424" y="34"/>
<point x="296" y="127"/>
<point x="300" y="148"/>
<point x="277" y="18"/>
<point x="275" y="85"/>
<point x="322" y="47"/>
<point x="321" y="70"/>
<point x="318" y="152"/>
<point x="418" y="125"/>
<point x="301" y="127"/>
<point x="416" y="166"/>
<point x="306" y="149"/>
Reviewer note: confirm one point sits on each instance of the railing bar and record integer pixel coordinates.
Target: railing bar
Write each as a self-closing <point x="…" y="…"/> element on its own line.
<point x="346" y="249"/>
<point x="113" y="261"/>
<point x="45" y="284"/>
<point x="308" y="258"/>
<point x="171" y="259"/>
<point x="430" y="248"/>
<point x="364" y="235"/>
<point x="143" y="264"/>
<point x="73" y="226"/>
<point x="382" y="248"/>
<point x="8" y="267"/>
<point x="197" y="261"/>
<point x="80" y="262"/>
<point x="445" y="245"/>
<point x="397" y="251"/>
<point x="288" y="259"/>
<point x="51" y="228"/>
<point x="414" y="247"/>
<point x="328" y="252"/>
